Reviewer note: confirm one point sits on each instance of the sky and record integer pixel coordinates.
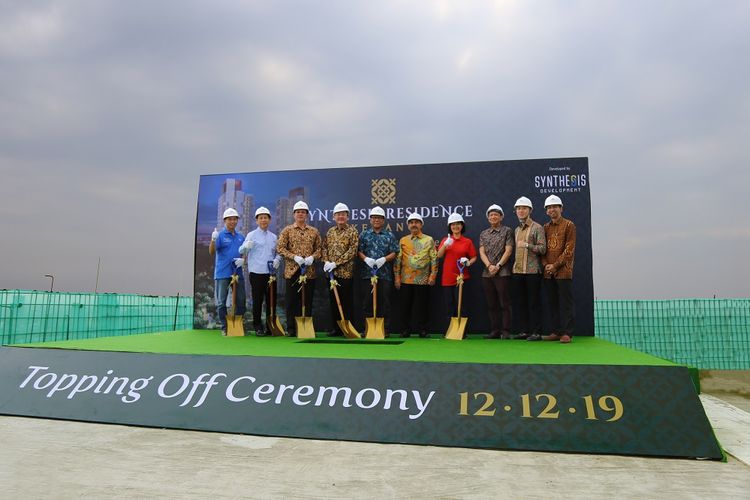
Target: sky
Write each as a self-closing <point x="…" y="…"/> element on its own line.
<point x="112" y="110"/>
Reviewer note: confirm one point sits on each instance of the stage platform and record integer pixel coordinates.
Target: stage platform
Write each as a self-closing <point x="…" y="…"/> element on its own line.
<point x="475" y="349"/>
<point x="590" y="396"/>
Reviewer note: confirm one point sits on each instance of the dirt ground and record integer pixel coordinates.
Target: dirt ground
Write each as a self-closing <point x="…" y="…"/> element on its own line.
<point x="732" y="386"/>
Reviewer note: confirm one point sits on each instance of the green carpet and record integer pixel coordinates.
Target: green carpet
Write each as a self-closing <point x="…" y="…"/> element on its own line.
<point x="582" y="351"/>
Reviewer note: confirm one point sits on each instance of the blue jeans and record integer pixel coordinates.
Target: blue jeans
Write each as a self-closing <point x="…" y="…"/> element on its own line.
<point x="222" y="289"/>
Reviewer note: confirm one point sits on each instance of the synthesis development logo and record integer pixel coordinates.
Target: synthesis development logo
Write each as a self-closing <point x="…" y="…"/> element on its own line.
<point x="383" y="191"/>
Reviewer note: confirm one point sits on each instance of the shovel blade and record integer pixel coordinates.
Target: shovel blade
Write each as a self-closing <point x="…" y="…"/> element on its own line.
<point x="305" y="328"/>
<point x="349" y="331"/>
<point x="235" y="328"/>
<point x="274" y="326"/>
<point x="375" y="328"/>
<point x="456" y="329"/>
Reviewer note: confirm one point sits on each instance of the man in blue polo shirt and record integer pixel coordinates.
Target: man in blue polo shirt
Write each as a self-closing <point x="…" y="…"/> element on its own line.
<point x="226" y="245"/>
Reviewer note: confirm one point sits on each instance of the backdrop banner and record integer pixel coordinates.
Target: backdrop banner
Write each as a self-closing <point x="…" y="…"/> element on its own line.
<point x="631" y="410"/>
<point x="432" y="190"/>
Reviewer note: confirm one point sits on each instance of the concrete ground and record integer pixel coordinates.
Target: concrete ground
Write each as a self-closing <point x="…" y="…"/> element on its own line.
<point x="57" y="459"/>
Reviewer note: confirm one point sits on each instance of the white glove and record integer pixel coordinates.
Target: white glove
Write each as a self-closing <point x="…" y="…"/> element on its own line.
<point x="448" y="242"/>
<point x="277" y="261"/>
<point x="239" y="261"/>
<point x="379" y="262"/>
<point x="299" y="260"/>
<point x="309" y="260"/>
<point x="464" y="261"/>
<point x="370" y="261"/>
<point x="329" y="266"/>
<point x="244" y="248"/>
<point x="214" y="235"/>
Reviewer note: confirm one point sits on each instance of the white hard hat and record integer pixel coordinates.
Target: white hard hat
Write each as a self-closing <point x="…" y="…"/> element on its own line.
<point x="496" y="208"/>
<point x="454" y="217"/>
<point x="415" y="216"/>
<point x="261" y="211"/>
<point x="230" y="212"/>
<point x="340" y="207"/>
<point x="523" y="202"/>
<point x="377" y="211"/>
<point x="300" y="205"/>
<point x="552" y="200"/>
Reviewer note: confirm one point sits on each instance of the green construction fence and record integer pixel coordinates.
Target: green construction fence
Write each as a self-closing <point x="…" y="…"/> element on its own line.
<point x="33" y="316"/>
<point x="704" y="333"/>
<point x="710" y="334"/>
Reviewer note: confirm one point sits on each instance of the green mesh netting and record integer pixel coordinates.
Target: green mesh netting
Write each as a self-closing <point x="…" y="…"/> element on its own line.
<point x="705" y="333"/>
<point x="33" y="316"/>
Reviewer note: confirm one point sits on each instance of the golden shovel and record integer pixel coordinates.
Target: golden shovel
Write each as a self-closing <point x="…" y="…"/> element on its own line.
<point x="457" y="326"/>
<point x="272" y="321"/>
<point x="305" y="329"/>
<point x="235" y="328"/>
<point x="374" y="326"/>
<point x="346" y="326"/>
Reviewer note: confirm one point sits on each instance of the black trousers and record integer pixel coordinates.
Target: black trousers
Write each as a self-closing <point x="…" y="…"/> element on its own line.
<point x="345" y="290"/>
<point x="560" y="298"/>
<point x="294" y="301"/>
<point x="414" y="301"/>
<point x="259" y="291"/>
<point x="497" y="293"/>
<point x="384" y="301"/>
<point x="526" y="289"/>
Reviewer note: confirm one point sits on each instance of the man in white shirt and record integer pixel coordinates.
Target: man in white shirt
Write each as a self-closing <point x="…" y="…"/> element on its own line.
<point x="260" y="249"/>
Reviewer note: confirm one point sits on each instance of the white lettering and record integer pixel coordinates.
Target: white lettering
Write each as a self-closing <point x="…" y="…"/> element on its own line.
<point x="162" y="392"/>
<point x="389" y="397"/>
<point x="102" y="382"/>
<point x="43" y="385"/>
<point x="31" y="375"/>
<point x="90" y="379"/>
<point x="230" y="389"/>
<point x="134" y="392"/>
<point x="66" y="379"/>
<point x="422" y="407"/>
<point x="334" y="393"/>
<point x="361" y="395"/>
<point x="282" y="389"/>
<point x="303" y="390"/>
<point x="261" y="391"/>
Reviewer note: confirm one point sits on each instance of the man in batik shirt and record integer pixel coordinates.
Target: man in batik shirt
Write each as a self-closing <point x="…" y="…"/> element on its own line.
<point x="300" y="245"/>
<point x="496" y="251"/>
<point x="415" y="271"/>
<point x="377" y="249"/>
<point x="339" y="251"/>
<point x="558" y="270"/>
<point x="531" y="244"/>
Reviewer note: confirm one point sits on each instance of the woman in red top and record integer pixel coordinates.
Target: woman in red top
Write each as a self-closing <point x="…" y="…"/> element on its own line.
<point x="459" y="253"/>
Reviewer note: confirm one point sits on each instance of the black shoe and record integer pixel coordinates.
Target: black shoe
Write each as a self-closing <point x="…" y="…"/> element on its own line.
<point x="505" y="336"/>
<point x="493" y="336"/>
<point x="534" y="337"/>
<point x="405" y="335"/>
<point x="261" y="333"/>
<point x="520" y="336"/>
<point x="291" y="334"/>
<point x="387" y="335"/>
<point x="335" y="334"/>
<point x="424" y="335"/>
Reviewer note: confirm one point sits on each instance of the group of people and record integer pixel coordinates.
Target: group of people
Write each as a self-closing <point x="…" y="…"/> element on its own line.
<point x="518" y="264"/>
